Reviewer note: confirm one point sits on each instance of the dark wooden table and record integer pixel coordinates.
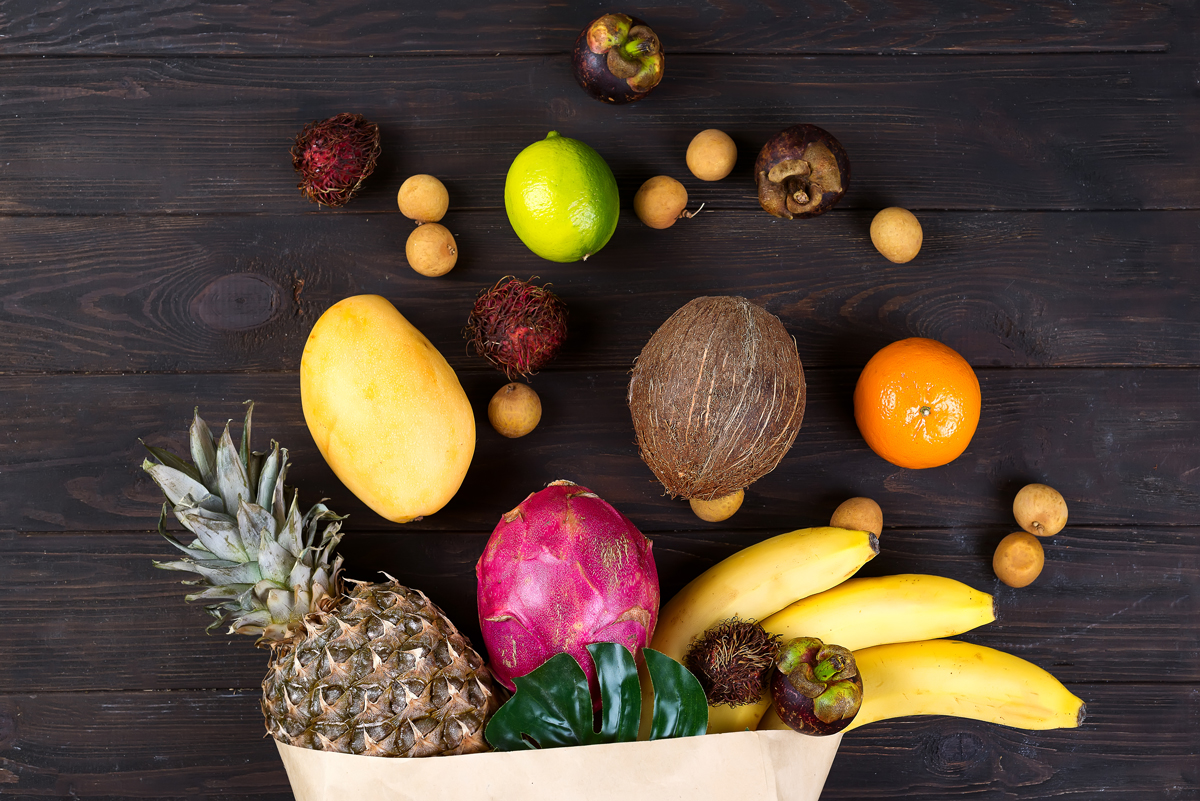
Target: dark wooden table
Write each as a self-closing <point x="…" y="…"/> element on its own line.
<point x="155" y="256"/>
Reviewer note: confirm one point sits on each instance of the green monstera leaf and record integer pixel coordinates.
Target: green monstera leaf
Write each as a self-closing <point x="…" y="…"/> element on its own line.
<point x="552" y="706"/>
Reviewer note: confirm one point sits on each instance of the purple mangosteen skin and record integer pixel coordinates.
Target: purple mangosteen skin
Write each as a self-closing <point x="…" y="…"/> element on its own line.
<point x="821" y="669"/>
<point x="592" y="73"/>
<point x="796" y="710"/>
<point x="791" y="143"/>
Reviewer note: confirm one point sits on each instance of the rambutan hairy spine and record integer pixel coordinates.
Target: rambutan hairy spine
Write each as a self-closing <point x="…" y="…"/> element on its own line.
<point x="517" y="326"/>
<point x="732" y="660"/>
<point x="334" y="157"/>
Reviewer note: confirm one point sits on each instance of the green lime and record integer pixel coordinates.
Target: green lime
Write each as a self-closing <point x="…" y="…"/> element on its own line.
<point x="561" y="199"/>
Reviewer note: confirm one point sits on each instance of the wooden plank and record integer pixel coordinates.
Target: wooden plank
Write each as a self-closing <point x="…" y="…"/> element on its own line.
<point x="88" y="612"/>
<point x="939" y="757"/>
<point x="205" y="294"/>
<point x="363" y="27"/>
<point x="137" y="745"/>
<point x="1097" y="593"/>
<point x="1119" y="444"/>
<point x="1138" y="739"/>
<point x="131" y="135"/>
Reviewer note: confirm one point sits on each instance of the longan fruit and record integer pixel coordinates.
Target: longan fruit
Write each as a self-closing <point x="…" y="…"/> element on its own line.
<point x="423" y="198"/>
<point x="711" y="155"/>
<point x="431" y="250"/>
<point x="1040" y="510"/>
<point x="859" y="514"/>
<point x="718" y="509"/>
<point x="896" y="233"/>
<point x="1019" y="559"/>
<point x="515" y="410"/>
<point x="660" y="202"/>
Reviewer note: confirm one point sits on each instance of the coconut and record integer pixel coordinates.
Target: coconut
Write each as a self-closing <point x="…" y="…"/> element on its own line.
<point x="717" y="397"/>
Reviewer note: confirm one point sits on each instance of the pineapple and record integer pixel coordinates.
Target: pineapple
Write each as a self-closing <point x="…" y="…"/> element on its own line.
<point x="383" y="674"/>
<point x="377" y="671"/>
<point x="255" y="556"/>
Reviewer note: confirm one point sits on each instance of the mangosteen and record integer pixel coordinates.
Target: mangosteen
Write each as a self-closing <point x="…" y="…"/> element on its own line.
<point x="618" y="59"/>
<point x="801" y="172"/>
<point x="815" y="687"/>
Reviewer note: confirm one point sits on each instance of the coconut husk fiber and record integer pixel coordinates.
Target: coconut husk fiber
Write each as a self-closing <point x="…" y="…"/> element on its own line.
<point x="717" y="397"/>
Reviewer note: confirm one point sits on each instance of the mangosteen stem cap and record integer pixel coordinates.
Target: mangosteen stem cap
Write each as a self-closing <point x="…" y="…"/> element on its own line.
<point x="835" y="663"/>
<point x="632" y="53"/>
<point x="608" y="32"/>
<point x="642" y="42"/>
<point x="842" y="700"/>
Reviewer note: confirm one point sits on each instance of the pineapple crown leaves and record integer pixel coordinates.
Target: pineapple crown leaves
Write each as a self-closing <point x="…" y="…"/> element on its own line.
<point x="260" y="564"/>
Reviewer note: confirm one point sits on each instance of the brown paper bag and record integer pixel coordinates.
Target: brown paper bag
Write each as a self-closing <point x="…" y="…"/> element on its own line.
<point x="747" y="766"/>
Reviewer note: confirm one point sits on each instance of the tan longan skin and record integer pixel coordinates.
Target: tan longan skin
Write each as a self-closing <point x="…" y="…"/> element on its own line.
<point x="718" y="509"/>
<point x="1019" y="559"/>
<point x="431" y="250"/>
<point x="858" y="514"/>
<point x="711" y="155"/>
<point x="1040" y="510"/>
<point x="896" y="233"/>
<point x="423" y="198"/>
<point x="660" y="201"/>
<point x="515" y="410"/>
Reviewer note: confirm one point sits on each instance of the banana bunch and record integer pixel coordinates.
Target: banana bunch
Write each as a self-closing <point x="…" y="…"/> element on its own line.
<point x="760" y="580"/>
<point x="752" y="584"/>
<point x="798" y="584"/>
<point x="947" y="677"/>
<point x="863" y="612"/>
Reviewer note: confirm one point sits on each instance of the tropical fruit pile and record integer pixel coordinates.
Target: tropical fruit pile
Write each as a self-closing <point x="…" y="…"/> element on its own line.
<point x="378" y="669"/>
<point x="576" y="648"/>
<point x="797" y="586"/>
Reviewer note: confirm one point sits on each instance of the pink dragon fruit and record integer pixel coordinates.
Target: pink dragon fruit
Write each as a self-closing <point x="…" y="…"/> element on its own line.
<point x="560" y="571"/>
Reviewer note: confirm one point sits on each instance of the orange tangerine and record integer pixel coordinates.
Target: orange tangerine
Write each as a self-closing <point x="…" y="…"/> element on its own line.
<point x="917" y="403"/>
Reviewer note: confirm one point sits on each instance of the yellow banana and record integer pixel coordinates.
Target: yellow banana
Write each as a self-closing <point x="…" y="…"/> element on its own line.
<point x="863" y="612"/>
<point x="947" y="677"/>
<point x="754" y="583"/>
<point x="760" y="580"/>
<point x="723" y="718"/>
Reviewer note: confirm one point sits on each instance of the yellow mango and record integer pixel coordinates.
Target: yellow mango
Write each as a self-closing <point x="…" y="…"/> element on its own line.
<point x="385" y="409"/>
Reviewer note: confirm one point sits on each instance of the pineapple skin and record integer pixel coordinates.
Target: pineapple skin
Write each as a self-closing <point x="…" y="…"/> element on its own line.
<point x="379" y="671"/>
<point x="383" y="673"/>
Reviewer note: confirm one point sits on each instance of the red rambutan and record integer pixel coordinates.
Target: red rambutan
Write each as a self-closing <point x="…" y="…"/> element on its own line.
<point x="334" y="157"/>
<point x="517" y="326"/>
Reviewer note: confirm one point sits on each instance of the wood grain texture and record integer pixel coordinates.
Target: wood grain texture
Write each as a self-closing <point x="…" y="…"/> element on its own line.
<point x="240" y="294"/>
<point x="939" y="757"/>
<point x="369" y="26"/>
<point x="137" y="745"/>
<point x="133" y="136"/>
<point x="1119" y="444"/>
<point x="156" y="255"/>
<point x="89" y="612"/>
<point x="210" y="746"/>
